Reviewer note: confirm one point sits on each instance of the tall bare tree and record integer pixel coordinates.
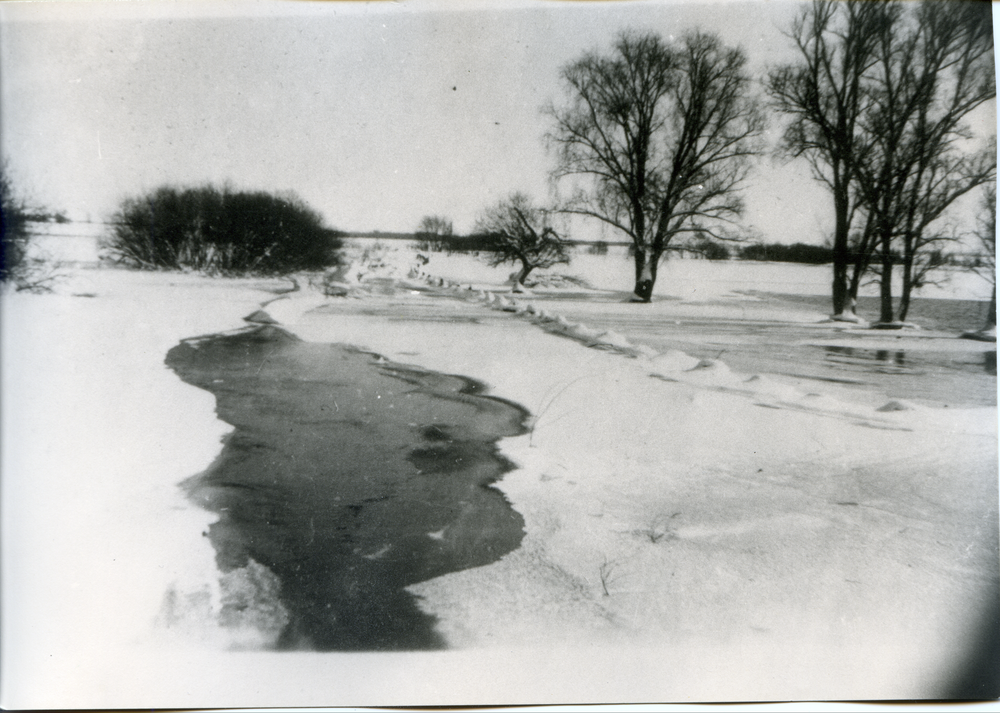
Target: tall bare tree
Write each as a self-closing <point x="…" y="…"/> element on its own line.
<point x="934" y="67"/>
<point x="518" y="231"/>
<point x="823" y="92"/>
<point x="656" y="140"/>
<point x="931" y="190"/>
<point x="878" y="99"/>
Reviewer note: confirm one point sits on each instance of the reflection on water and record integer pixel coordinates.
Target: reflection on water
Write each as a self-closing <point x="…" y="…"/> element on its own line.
<point x="959" y="378"/>
<point x="872" y="361"/>
<point x="897" y="357"/>
<point x="886" y="361"/>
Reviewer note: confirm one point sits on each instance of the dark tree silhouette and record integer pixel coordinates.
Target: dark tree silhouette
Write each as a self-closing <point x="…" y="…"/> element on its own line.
<point x="934" y="66"/>
<point x="877" y="102"/>
<point x="433" y="232"/>
<point x="517" y="231"/>
<point x="221" y="231"/>
<point x="20" y="267"/>
<point x="14" y="234"/>
<point x="656" y="139"/>
<point x="824" y="94"/>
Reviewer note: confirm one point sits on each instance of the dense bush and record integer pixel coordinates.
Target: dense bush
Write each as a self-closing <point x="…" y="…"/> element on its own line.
<point x="798" y="252"/>
<point x="20" y="266"/>
<point x="221" y="231"/>
<point x="14" y="234"/>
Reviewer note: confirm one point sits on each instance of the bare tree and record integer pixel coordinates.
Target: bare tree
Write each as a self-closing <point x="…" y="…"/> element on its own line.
<point x="824" y="94"/>
<point x="433" y="232"/>
<point x="518" y="231"/>
<point x="986" y="233"/>
<point x="934" y="66"/>
<point x="932" y="188"/>
<point x="877" y="100"/>
<point x="657" y="140"/>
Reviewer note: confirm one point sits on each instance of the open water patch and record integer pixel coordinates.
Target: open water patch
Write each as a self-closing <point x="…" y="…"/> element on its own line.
<point x="349" y="477"/>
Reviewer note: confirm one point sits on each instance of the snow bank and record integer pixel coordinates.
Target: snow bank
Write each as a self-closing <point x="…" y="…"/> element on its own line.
<point x="97" y="435"/>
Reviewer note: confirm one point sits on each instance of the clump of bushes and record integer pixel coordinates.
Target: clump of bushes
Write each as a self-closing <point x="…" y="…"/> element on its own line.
<point x="19" y="268"/>
<point x="221" y="231"/>
<point x="797" y="252"/>
<point x="14" y="234"/>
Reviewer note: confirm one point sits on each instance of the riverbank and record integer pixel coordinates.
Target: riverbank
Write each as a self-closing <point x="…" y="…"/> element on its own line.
<point x="692" y="532"/>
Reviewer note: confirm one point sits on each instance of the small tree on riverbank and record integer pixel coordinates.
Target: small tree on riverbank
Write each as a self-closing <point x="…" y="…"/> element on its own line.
<point x="221" y="231"/>
<point x="434" y="232"/>
<point x="517" y="231"/>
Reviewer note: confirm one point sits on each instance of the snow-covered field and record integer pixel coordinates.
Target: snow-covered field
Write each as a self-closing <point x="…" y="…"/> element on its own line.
<point x="692" y="532"/>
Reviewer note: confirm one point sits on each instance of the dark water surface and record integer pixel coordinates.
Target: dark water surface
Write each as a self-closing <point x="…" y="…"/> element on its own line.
<point x="935" y="374"/>
<point x="349" y="477"/>
<point x="944" y="314"/>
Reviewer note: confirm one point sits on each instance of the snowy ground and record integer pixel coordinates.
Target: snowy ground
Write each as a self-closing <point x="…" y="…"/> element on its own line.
<point x="692" y="532"/>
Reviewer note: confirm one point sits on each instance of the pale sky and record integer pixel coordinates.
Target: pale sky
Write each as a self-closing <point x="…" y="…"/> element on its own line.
<point x="375" y="114"/>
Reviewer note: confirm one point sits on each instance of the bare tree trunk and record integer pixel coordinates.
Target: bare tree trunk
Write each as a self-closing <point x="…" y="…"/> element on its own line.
<point x="841" y="295"/>
<point x="991" y="316"/>
<point x="852" y="288"/>
<point x="646" y="261"/>
<point x="841" y="253"/>
<point x="638" y="261"/>
<point x="904" y="298"/>
<point x="526" y="269"/>
<point x="860" y="261"/>
<point x="885" y="291"/>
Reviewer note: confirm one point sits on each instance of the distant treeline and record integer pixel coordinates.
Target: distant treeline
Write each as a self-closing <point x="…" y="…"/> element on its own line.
<point x="475" y="243"/>
<point x="706" y="249"/>
<point x="796" y="252"/>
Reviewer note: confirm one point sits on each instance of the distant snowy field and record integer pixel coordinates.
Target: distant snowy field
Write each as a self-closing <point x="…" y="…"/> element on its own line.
<point x="706" y="279"/>
<point x="77" y="243"/>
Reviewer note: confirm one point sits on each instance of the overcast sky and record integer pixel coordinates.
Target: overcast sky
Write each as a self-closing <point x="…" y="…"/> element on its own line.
<point x="375" y="114"/>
